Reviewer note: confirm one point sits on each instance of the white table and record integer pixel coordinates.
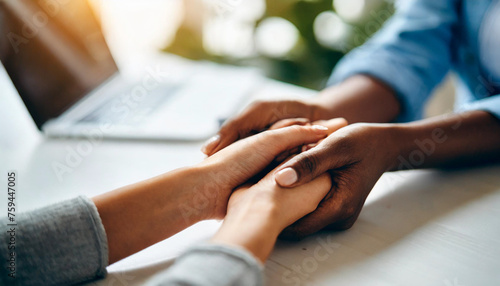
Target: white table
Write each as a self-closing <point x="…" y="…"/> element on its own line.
<point x="417" y="228"/>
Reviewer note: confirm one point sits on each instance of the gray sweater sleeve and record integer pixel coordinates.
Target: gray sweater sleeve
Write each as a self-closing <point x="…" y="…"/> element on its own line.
<point x="61" y="244"/>
<point x="66" y="243"/>
<point x="212" y="265"/>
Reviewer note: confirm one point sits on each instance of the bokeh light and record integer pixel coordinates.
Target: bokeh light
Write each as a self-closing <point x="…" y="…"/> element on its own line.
<point x="331" y="31"/>
<point x="356" y="11"/>
<point x="276" y="37"/>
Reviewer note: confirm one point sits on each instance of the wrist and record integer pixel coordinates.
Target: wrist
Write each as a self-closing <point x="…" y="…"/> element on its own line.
<point x="359" y="98"/>
<point x="198" y="196"/>
<point x="135" y="216"/>
<point x="258" y="235"/>
<point x="399" y="141"/>
<point x="321" y="107"/>
<point x="209" y="186"/>
<point x="420" y="143"/>
<point x="391" y="140"/>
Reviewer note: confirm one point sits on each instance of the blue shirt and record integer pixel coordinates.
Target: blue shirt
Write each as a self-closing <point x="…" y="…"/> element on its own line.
<point x="426" y="39"/>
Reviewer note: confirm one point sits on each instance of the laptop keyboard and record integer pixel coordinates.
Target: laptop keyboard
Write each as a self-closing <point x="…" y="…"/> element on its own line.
<point x="131" y="110"/>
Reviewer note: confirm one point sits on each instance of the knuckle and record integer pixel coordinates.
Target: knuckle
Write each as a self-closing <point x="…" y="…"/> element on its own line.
<point x="226" y="128"/>
<point x="229" y="131"/>
<point x="343" y="121"/>
<point x="308" y="163"/>
<point x="349" y="211"/>
<point x="298" y="103"/>
<point x="302" y="121"/>
<point x="340" y="226"/>
<point x="281" y="134"/>
<point x="258" y="104"/>
<point x="237" y="128"/>
<point x="343" y="207"/>
<point x="347" y="225"/>
<point x="229" y="125"/>
<point x="297" y="129"/>
<point x="269" y="141"/>
<point x="272" y="135"/>
<point x="334" y="213"/>
<point x="294" y="233"/>
<point x="345" y="143"/>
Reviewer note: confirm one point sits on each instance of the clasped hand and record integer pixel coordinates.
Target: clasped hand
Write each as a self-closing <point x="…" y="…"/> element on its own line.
<point x="355" y="157"/>
<point x="260" y="204"/>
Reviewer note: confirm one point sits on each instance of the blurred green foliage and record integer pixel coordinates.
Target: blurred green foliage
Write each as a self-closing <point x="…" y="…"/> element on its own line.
<point x="312" y="64"/>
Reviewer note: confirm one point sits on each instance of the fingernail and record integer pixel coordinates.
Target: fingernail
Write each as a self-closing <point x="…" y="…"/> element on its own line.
<point x="307" y="147"/>
<point x="286" y="177"/>
<point x="304" y="148"/>
<point x="210" y="144"/>
<point x="319" y="128"/>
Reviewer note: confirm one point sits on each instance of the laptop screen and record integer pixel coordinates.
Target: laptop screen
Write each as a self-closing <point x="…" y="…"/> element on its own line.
<point x="54" y="52"/>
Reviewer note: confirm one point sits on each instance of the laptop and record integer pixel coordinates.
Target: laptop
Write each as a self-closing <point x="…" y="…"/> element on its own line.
<point x="58" y="60"/>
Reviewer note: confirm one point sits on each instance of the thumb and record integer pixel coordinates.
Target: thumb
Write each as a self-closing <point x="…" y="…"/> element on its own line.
<point x="304" y="167"/>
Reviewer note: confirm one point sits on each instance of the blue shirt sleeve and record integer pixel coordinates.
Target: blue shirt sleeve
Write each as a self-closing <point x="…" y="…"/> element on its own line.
<point x="411" y="54"/>
<point x="490" y="104"/>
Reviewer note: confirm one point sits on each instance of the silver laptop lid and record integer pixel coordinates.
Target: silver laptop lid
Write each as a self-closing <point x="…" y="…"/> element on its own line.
<point x="54" y="52"/>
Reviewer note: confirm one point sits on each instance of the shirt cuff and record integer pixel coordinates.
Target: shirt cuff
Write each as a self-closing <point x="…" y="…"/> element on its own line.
<point x="490" y="104"/>
<point x="409" y="89"/>
<point x="212" y="264"/>
<point x="61" y="244"/>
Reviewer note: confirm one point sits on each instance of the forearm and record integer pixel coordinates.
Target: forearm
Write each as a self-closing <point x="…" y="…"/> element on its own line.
<point x="147" y="212"/>
<point x="458" y="140"/>
<point x="358" y="99"/>
<point x="142" y="214"/>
